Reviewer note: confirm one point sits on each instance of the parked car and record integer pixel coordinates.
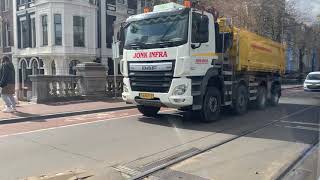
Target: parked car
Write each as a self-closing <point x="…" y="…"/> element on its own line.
<point x="312" y="82"/>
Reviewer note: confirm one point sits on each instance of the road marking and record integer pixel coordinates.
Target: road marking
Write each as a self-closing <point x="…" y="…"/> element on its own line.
<point x="79" y="124"/>
<point x="303" y="123"/>
<point x="299" y="127"/>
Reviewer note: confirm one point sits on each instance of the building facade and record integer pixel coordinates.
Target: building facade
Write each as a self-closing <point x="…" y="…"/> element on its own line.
<point x="51" y="37"/>
<point x="6" y="28"/>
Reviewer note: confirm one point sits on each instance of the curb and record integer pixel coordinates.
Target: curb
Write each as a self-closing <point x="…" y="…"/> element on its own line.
<point x="59" y="115"/>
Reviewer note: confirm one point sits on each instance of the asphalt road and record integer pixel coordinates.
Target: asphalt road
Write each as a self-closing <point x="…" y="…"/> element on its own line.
<point x="130" y="143"/>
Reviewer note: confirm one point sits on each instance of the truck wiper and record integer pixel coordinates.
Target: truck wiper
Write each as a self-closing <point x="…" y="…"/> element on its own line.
<point x="137" y="45"/>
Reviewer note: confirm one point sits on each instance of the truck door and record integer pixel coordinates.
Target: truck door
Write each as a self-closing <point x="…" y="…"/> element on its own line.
<point x="202" y="44"/>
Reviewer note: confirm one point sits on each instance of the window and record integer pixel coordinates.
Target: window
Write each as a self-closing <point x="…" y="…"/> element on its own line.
<point x="1" y="35"/>
<point x="72" y="67"/>
<point x="53" y="68"/>
<point x="122" y="1"/>
<point x="24" y="33"/>
<point x="35" y="68"/>
<point x="110" y="30"/>
<point x="5" y="5"/>
<point x="44" y="20"/>
<point x="132" y="4"/>
<point x="57" y="29"/>
<point x="78" y="31"/>
<point x="113" y="2"/>
<point x="200" y="28"/>
<point x="33" y="33"/>
<point x="21" y="2"/>
<point x="6" y="37"/>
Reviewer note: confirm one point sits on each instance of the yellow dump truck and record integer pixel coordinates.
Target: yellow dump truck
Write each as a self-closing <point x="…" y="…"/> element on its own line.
<point x="181" y="57"/>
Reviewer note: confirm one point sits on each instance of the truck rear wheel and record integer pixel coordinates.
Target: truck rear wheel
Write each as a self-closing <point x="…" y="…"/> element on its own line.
<point x="261" y="101"/>
<point x="241" y="101"/>
<point x="148" y="111"/>
<point x="211" y="105"/>
<point x="275" y="95"/>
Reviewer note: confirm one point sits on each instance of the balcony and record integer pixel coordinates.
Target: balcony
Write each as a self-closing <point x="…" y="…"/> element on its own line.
<point x="25" y="5"/>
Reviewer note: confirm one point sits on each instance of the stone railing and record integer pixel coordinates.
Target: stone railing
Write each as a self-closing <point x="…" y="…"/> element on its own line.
<point x="91" y="82"/>
<point x="114" y="89"/>
<point x="47" y="88"/>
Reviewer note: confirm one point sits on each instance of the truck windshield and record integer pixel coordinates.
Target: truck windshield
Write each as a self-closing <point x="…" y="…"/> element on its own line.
<point x="159" y="32"/>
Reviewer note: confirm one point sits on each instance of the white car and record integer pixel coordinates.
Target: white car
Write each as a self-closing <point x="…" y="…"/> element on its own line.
<point x="312" y="82"/>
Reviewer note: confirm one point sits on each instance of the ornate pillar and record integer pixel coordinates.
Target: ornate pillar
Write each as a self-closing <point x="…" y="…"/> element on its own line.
<point x="62" y="66"/>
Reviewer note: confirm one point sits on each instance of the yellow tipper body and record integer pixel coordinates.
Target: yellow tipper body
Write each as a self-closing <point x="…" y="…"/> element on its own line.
<point x="253" y="52"/>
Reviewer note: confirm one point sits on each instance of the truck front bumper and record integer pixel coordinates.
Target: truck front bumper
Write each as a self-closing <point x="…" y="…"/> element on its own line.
<point x="160" y="99"/>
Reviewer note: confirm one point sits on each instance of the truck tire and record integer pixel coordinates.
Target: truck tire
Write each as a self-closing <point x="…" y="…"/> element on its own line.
<point x="148" y="111"/>
<point x="275" y="95"/>
<point x="261" y="101"/>
<point x="211" y="105"/>
<point x="240" y="104"/>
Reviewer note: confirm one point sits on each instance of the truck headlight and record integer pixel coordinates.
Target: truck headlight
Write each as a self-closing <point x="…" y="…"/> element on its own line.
<point x="180" y="90"/>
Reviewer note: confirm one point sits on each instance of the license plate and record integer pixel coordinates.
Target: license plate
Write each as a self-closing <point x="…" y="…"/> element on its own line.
<point x="146" y="95"/>
<point x="150" y="66"/>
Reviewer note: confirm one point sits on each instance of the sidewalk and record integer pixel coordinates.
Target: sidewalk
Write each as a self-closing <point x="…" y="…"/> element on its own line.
<point x="28" y="111"/>
<point x="307" y="168"/>
<point x="284" y="87"/>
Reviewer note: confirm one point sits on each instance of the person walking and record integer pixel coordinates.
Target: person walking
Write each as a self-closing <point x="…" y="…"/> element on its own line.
<point x="7" y="83"/>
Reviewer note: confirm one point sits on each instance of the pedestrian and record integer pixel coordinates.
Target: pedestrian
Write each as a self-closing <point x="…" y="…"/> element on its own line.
<point x="7" y="83"/>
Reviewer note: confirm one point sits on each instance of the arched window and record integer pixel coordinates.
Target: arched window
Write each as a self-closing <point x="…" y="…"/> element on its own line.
<point x="53" y="68"/>
<point x="35" y="67"/>
<point x="24" y="75"/>
<point x="72" y="67"/>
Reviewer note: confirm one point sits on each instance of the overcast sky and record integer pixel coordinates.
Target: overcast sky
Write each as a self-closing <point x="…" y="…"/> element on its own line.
<point x="313" y="5"/>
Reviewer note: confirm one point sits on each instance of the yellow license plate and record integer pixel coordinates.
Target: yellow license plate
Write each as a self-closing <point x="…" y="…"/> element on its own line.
<point x="146" y="95"/>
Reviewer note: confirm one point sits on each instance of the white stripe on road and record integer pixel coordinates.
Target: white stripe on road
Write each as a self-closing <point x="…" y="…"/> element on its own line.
<point x="303" y="123"/>
<point x="72" y="125"/>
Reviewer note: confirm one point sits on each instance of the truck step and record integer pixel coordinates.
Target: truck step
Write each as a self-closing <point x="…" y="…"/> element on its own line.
<point x="196" y="107"/>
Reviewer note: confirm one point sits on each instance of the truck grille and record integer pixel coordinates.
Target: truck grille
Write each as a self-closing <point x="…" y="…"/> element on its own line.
<point x="151" y="81"/>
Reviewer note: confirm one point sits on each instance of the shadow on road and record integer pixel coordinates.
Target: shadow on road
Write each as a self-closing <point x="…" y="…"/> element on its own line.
<point x="292" y="126"/>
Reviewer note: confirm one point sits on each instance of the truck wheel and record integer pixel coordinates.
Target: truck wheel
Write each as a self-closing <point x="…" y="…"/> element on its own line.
<point x="275" y="96"/>
<point x="241" y="101"/>
<point x="211" y="106"/>
<point x="149" y="111"/>
<point x="261" y="101"/>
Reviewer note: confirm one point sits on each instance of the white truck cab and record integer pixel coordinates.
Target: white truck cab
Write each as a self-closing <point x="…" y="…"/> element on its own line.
<point x="162" y="52"/>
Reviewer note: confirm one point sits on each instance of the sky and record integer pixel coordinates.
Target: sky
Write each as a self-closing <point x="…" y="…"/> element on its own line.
<point x="313" y="5"/>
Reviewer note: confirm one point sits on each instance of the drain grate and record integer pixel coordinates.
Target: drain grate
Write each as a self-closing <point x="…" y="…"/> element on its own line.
<point x="126" y="170"/>
<point x="169" y="174"/>
<point x="165" y="160"/>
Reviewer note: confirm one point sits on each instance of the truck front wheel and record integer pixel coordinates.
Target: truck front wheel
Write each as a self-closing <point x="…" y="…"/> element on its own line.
<point x="211" y="106"/>
<point x="148" y="110"/>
